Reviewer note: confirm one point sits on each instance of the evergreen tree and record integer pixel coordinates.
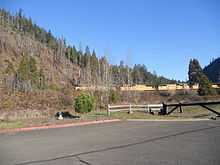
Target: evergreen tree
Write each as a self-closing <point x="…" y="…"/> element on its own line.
<point x="212" y="71"/>
<point x="42" y="81"/>
<point x="205" y="87"/>
<point x="92" y="69"/>
<point x="28" y="72"/>
<point x="194" y="72"/>
<point x="196" y="75"/>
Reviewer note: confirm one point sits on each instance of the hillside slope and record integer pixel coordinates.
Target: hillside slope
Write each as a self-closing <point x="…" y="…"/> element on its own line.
<point x="13" y="45"/>
<point x="62" y="66"/>
<point x="20" y="35"/>
<point x="213" y="71"/>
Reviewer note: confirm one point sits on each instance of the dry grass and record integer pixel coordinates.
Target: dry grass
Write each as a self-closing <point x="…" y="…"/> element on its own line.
<point x="188" y="112"/>
<point x="9" y="125"/>
<point x="138" y="115"/>
<point x="195" y="112"/>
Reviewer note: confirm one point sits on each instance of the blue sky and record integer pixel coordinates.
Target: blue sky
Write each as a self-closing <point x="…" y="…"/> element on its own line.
<point x="162" y="34"/>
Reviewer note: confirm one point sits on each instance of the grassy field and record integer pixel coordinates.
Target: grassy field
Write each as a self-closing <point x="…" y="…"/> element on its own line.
<point x="12" y="124"/>
<point x="195" y="111"/>
<point x="188" y="112"/>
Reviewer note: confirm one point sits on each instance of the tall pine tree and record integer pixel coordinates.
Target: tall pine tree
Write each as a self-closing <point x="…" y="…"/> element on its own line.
<point x="194" y="72"/>
<point x="196" y="76"/>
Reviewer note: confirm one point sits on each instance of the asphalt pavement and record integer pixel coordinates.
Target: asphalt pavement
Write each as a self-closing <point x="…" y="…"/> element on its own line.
<point x="119" y="143"/>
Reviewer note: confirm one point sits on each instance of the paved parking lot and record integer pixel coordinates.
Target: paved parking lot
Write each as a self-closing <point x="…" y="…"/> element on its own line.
<point x="119" y="143"/>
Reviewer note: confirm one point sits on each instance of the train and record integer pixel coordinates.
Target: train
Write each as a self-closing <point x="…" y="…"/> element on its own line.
<point x="143" y="87"/>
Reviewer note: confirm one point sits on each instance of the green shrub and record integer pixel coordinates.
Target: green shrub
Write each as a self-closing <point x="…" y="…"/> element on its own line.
<point x="54" y="87"/>
<point x="7" y="104"/>
<point x="205" y="87"/>
<point x="218" y="91"/>
<point x="28" y="69"/>
<point x="10" y="68"/>
<point x="28" y="73"/>
<point x="114" y="96"/>
<point x="84" y="103"/>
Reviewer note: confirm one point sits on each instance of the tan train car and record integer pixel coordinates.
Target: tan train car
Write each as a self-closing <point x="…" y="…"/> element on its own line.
<point x="137" y="88"/>
<point x="94" y="88"/>
<point x="165" y="87"/>
<point x="141" y="87"/>
<point x="216" y="86"/>
<point x="195" y="87"/>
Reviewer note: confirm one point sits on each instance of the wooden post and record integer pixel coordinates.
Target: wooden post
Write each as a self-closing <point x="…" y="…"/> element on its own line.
<point x="108" y="110"/>
<point x="164" y="109"/>
<point x="130" y="109"/>
<point x="181" y="111"/>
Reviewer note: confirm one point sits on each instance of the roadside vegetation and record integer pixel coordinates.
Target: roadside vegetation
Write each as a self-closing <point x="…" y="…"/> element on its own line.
<point x="11" y="124"/>
<point x="197" y="76"/>
<point x="84" y="103"/>
<point x="39" y="74"/>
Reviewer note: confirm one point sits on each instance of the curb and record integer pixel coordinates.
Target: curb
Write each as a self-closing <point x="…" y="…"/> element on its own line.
<point x="167" y="119"/>
<point x="14" y="130"/>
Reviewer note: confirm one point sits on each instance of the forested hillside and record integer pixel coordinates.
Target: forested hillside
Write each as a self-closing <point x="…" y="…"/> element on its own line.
<point x="213" y="71"/>
<point x="32" y="58"/>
